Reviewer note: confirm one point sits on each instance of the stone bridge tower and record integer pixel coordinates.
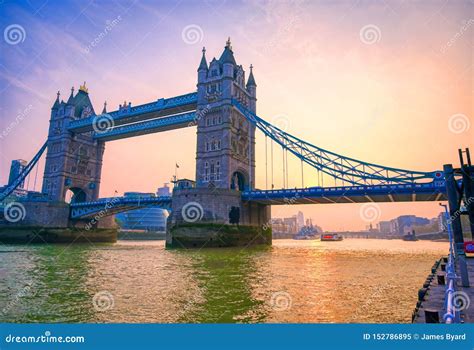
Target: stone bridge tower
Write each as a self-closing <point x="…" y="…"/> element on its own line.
<point x="225" y="164"/>
<point x="225" y="156"/>
<point x="73" y="162"/>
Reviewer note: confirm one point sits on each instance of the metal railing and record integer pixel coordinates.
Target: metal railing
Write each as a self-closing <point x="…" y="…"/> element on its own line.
<point x="451" y="315"/>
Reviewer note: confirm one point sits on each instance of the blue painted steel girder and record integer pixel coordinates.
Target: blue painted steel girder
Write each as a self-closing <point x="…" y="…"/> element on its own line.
<point x="433" y="191"/>
<point x="110" y="206"/>
<point x="162" y="107"/>
<point x="10" y="189"/>
<point x="147" y="127"/>
<point x="345" y="169"/>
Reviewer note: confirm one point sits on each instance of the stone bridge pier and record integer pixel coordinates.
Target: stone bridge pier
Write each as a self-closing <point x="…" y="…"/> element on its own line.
<point x="202" y="217"/>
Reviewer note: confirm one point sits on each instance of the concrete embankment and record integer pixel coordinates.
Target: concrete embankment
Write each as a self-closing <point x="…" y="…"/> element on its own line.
<point x="431" y="308"/>
<point x="36" y="234"/>
<point x="141" y="236"/>
<point x="217" y="235"/>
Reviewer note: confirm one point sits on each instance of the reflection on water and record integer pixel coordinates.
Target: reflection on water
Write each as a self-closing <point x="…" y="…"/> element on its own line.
<point x="356" y="280"/>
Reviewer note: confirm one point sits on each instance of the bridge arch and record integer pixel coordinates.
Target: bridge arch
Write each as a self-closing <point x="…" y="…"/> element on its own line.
<point x="239" y="180"/>
<point x="75" y="195"/>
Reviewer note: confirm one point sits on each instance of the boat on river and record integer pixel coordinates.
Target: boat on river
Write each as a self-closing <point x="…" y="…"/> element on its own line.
<point x="331" y="237"/>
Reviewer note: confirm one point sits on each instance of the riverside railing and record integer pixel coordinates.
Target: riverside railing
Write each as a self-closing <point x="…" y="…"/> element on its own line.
<point x="451" y="316"/>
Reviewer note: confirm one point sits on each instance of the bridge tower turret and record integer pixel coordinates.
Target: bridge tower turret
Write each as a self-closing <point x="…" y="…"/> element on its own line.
<point x="225" y="156"/>
<point x="73" y="162"/>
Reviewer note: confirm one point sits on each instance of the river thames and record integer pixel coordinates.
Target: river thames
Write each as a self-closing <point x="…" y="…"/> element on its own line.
<point x="356" y="280"/>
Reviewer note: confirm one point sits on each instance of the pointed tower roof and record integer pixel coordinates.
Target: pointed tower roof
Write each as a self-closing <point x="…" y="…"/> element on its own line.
<point x="251" y="80"/>
<point x="105" y="108"/>
<point x="82" y="101"/>
<point x="56" y="103"/>
<point x="228" y="55"/>
<point x="203" y="64"/>
<point x="70" y="100"/>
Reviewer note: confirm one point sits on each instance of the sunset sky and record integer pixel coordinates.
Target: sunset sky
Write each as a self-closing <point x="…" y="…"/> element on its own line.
<point x="387" y="82"/>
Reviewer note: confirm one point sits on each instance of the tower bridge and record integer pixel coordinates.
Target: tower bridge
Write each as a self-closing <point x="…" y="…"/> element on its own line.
<point x="223" y="110"/>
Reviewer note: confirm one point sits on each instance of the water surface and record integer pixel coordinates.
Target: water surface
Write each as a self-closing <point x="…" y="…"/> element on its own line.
<point x="356" y="280"/>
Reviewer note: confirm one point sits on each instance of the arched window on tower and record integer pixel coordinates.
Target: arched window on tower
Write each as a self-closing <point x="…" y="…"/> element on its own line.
<point x="206" y="171"/>
<point x="218" y="170"/>
<point x="212" y="170"/>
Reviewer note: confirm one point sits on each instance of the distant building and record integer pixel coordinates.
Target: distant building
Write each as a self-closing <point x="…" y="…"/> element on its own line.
<point x="147" y="219"/>
<point x="292" y="224"/>
<point x="300" y="219"/>
<point x="16" y="168"/>
<point x="289" y="227"/>
<point x="404" y="224"/>
<point x="384" y="227"/>
<point x="284" y="227"/>
<point x="163" y="191"/>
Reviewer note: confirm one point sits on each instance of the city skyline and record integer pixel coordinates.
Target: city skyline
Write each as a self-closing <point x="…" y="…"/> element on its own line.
<point x="303" y="70"/>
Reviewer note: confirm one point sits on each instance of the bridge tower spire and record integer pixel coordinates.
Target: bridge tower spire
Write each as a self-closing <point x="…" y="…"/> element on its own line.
<point x="225" y="156"/>
<point x="73" y="162"/>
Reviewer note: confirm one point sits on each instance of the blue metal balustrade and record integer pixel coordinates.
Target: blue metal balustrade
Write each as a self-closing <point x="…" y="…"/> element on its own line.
<point x="127" y="114"/>
<point x="110" y="206"/>
<point x="433" y="191"/>
<point x="148" y="127"/>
